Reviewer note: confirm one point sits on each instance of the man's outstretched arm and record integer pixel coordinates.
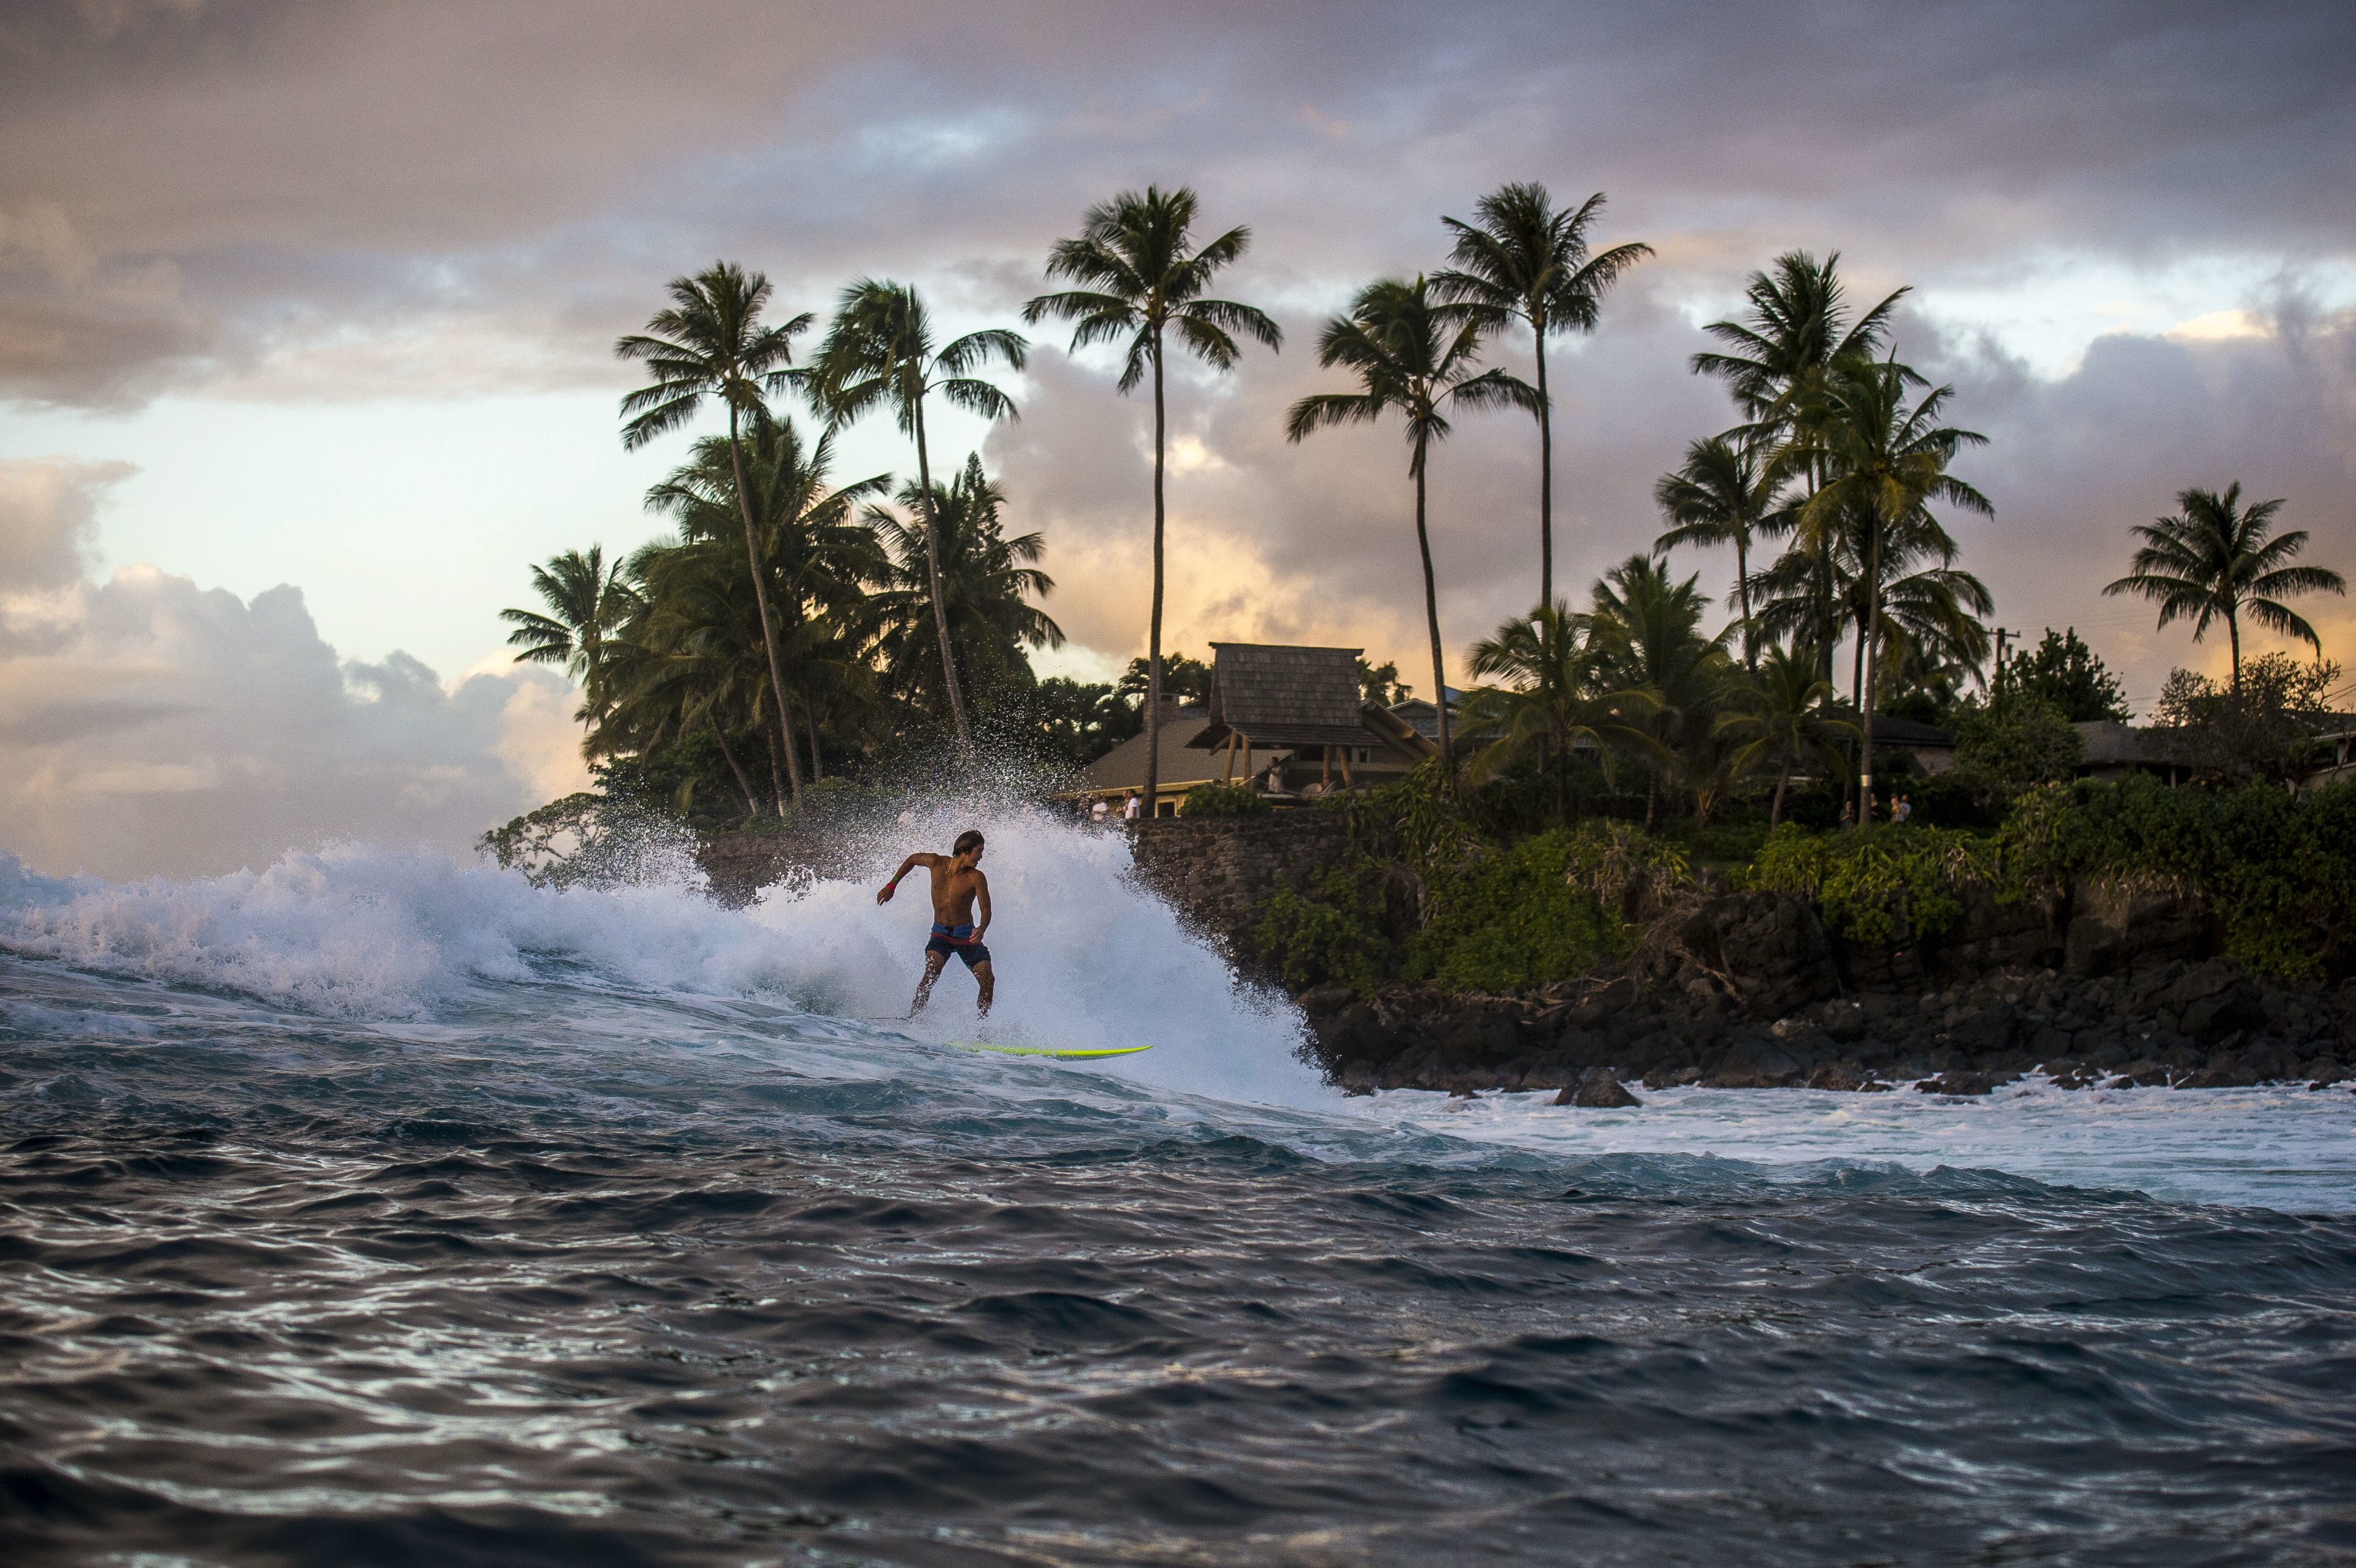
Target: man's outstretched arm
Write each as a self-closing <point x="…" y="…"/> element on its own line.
<point x="883" y="894"/>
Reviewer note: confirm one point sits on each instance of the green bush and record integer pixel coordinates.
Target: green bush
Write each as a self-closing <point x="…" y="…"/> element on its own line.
<point x="2005" y="751"/>
<point x="1224" y="800"/>
<point x="1340" y="932"/>
<point x="2278" y="869"/>
<point x="1876" y="883"/>
<point x="1515" y="918"/>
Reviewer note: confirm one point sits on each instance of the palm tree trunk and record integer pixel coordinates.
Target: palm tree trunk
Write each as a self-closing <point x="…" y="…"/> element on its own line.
<point x="743" y="784"/>
<point x="1546" y="476"/>
<point x="1154" y="623"/>
<point x="1431" y="606"/>
<point x="776" y="767"/>
<point x="1775" y="812"/>
<point x="818" y="763"/>
<point x="933" y="580"/>
<point x="2233" y="635"/>
<point x="1742" y="588"/>
<point x="1866" y="641"/>
<point x="761" y="596"/>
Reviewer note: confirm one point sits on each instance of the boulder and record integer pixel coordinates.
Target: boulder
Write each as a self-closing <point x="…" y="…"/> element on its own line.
<point x="1961" y="1083"/>
<point x="1597" y="1091"/>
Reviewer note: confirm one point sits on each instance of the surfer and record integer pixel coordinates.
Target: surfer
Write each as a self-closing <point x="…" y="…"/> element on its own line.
<point x="958" y="885"/>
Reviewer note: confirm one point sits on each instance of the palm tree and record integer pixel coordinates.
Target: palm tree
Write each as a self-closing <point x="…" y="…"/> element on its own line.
<point x="817" y="556"/>
<point x="1522" y="259"/>
<point x="2214" y="558"/>
<point x="1883" y="462"/>
<point x="1647" y="627"/>
<point x="1141" y="277"/>
<point x="1782" y="714"/>
<point x="880" y="352"/>
<point x="587" y="600"/>
<point x="986" y="582"/>
<point x="713" y="343"/>
<point x="1414" y="353"/>
<point x="1777" y="360"/>
<point x="689" y="655"/>
<point x="1723" y="494"/>
<point x="1552" y="699"/>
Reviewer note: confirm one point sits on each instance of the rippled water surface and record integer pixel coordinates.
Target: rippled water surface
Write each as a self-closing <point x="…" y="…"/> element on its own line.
<point x="371" y="1209"/>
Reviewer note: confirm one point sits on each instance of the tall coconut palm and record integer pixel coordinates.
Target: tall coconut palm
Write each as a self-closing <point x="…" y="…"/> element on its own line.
<point x="1723" y="494"/>
<point x="1777" y="358"/>
<point x="588" y="599"/>
<point x="987" y="582"/>
<point x="1526" y="261"/>
<point x="880" y="353"/>
<point x="1552" y="697"/>
<point x="1142" y="277"/>
<point x="1415" y="355"/>
<point x="815" y="555"/>
<point x="1883" y="462"/>
<point x="2214" y="560"/>
<point x="713" y="343"/>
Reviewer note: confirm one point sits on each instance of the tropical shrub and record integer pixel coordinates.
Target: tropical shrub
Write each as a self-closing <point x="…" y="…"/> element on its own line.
<point x="2013" y="746"/>
<point x="2279" y="870"/>
<point x="1224" y="800"/>
<point x="1514" y="919"/>
<point x="1876" y="884"/>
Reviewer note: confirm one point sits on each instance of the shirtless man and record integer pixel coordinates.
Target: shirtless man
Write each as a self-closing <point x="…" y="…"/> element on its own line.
<point x="957" y="882"/>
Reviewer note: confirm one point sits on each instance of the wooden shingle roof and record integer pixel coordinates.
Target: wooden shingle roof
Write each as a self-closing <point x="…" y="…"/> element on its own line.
<point x="1275" y="695"/>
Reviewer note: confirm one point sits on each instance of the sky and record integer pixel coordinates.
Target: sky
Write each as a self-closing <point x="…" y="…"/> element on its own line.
<point x="306" y="312"/>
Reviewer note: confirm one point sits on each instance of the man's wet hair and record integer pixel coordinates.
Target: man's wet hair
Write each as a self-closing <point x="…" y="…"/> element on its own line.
<point x="969" y="840"/>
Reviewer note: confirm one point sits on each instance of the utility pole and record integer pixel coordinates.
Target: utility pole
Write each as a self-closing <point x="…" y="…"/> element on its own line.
<point x="2000" y="635"/>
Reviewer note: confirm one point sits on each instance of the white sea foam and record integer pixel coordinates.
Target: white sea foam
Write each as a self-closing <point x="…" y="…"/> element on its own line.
<point x="1083" y="957"/>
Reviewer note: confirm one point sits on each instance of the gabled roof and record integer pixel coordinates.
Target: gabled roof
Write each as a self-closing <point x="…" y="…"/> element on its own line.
<point x="1183" y="764"/>
<point x="1274" y="695"/>
<point x="1912" y="733"/>
<point x="2110" y="744"/>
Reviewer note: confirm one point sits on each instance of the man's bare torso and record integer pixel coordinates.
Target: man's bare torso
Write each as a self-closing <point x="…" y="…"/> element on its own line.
<point x="954" y="890"/>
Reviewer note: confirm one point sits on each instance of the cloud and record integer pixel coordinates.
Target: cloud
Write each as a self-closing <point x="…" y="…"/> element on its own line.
<point x="196" y="188"/>
<point x="48" y="519"/>
<point x="150" y="726"/>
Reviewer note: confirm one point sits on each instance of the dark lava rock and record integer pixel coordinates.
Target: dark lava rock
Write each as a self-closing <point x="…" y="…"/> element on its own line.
<point x="2212" y="1000"/>
<point x="1846" y="1076"/>
<point x="1961" y="1083"/>
<point x="2145" y="1074"/>
<point x="1597" y="1091"/>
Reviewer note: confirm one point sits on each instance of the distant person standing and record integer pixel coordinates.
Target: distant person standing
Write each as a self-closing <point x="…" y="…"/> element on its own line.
<point x="1901" y="808"/>
<point x="1099" y="811"/>
<point x="1132" y="808"/>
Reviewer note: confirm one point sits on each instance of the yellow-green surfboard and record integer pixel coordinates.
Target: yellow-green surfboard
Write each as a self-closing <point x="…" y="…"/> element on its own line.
<point x="1048" y="1051"/>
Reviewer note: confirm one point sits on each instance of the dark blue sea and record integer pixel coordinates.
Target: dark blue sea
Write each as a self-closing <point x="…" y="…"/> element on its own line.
<point x="374" y="1209"/>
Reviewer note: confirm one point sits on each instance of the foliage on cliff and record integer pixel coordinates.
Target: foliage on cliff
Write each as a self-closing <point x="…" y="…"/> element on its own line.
<point x="1430" y="891"/>
<point x="1876" y="884"/>
<point x="2278" y="869"/>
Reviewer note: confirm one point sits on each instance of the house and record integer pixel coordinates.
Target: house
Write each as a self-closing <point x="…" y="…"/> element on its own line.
<point x="1295" y="723"/>
<point x="1932" y="746"/>
<point x="1290" y="722"/>
<point x="1120" y="773"/>
<point x="2114" y="750"/>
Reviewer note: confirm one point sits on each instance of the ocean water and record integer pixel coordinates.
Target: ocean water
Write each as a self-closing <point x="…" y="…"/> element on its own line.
<point x="375" y="1209"/>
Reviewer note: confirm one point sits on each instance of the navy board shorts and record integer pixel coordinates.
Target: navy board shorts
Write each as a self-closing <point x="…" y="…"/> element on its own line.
<point x="956" y="941"/>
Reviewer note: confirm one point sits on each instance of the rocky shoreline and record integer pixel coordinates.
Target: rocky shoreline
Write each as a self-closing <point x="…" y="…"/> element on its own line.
<point x="2104" y="984"/>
